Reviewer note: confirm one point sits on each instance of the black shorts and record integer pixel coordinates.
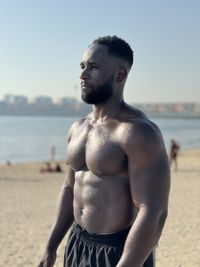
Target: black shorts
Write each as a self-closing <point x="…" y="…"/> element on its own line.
<point x="96" y="250"/>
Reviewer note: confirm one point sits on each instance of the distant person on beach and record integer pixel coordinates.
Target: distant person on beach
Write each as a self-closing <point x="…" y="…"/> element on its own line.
<point x="174" y="150"/>
<point x="115" y="195"/>
<point x="46" y="168"/>
<point x="53" y="153"/>
<point x="58" y="168"/>
<point x="49" y="168"/>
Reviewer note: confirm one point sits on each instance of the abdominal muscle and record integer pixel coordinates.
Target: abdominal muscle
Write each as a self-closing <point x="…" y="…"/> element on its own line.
<point x="102" y="204"/>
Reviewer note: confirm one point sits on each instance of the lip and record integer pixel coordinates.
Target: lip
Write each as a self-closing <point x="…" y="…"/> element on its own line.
<point x="85" y="85"/>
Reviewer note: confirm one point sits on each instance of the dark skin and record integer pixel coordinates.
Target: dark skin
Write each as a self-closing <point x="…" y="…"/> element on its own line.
<point x="118" y="173"/>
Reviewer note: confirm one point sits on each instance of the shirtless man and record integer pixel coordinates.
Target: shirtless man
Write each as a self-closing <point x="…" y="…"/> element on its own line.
<point x="115" y="195"/>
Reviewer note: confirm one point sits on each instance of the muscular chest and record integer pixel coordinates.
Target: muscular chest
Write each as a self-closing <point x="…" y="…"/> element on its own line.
<point x="96" y="149"/>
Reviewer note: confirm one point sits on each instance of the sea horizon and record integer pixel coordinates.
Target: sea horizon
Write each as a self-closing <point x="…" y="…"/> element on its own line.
<point x="30" y="138"/>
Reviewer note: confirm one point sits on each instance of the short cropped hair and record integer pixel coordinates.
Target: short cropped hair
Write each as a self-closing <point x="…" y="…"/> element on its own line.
<point x="117" y="47"/>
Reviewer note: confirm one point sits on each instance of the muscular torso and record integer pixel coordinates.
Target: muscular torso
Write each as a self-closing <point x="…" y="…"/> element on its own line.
<point x="102" y="199"/>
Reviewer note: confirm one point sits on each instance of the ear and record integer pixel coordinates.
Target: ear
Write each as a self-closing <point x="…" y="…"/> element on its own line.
<point x="121" y="75"/>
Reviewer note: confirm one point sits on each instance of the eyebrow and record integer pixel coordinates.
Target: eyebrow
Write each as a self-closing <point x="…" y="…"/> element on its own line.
<point x="90" y="63"/>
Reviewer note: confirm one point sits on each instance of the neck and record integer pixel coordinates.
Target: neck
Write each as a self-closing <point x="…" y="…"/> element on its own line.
<point x="108" y="109"/>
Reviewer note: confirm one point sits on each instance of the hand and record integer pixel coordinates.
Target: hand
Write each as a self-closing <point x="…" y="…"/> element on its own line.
<point x="48" y="259"/>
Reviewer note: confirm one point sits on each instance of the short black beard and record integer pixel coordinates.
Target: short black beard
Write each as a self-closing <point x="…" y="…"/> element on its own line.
<point x="99" y="94"/>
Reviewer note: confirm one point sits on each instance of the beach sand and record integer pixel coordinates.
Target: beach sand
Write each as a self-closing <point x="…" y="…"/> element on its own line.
<point x="28" y="203"/>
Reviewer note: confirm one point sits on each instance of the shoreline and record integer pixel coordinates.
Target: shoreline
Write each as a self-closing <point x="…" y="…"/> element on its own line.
<point x="62" y="161"/>
<point x="28" y="201"/>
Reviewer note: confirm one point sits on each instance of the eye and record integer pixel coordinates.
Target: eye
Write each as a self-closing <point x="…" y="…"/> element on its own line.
<point x="82" y="66"/>
<point x="94" y="67"/>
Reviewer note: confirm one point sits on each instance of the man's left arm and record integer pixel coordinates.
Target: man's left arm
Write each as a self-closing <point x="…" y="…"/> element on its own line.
<point x="149" y="179"/>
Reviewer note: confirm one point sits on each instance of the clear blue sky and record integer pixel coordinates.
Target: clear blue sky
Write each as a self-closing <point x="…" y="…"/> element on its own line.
<point x="42" y="41"/>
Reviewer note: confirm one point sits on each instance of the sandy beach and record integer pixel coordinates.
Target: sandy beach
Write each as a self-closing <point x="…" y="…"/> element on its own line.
<point x="28" y="201"/>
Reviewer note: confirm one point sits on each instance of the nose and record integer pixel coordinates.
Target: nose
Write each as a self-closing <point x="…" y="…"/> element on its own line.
<point x="84" y="74"/>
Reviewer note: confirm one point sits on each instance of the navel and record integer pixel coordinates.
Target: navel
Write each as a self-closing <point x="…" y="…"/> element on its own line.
<point x="81" y="212"/>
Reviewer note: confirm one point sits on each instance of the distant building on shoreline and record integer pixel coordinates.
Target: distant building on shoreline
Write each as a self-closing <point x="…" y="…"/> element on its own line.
<point x="171" y="110"/>
<point x="14" y="105"/>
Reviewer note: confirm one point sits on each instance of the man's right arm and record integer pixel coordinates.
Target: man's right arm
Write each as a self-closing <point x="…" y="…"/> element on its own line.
<point x="63" y="220"/>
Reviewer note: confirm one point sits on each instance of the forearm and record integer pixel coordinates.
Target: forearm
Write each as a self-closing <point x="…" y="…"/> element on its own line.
<point x="142" y="238"/>
<point x="63" y="219"/>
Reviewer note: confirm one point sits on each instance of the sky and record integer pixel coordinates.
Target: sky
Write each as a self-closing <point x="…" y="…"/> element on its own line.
<point x="42" y="42"/>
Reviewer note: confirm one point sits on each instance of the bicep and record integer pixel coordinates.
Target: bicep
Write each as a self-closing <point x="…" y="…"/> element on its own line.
<point x="149" y="180"/>
<point x="69" y="178"/>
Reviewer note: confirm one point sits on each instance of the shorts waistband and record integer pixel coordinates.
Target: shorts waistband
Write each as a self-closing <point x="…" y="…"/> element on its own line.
<point x="114" y="239"/>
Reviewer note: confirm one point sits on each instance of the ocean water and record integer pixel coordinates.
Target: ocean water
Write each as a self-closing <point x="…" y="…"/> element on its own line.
<point x="25" y="139"/>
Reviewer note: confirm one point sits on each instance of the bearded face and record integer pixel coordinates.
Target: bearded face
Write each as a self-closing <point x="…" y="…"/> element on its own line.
<point x="97" y="94"/>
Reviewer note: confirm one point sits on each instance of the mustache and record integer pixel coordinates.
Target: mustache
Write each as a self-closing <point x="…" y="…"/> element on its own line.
<point x="85" y="84"/>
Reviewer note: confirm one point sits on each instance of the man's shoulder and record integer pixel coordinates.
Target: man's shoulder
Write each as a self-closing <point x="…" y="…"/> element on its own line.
<point x="136" y="122"/>
<point x="75" y="126"/>
<point x="81" y="121"/>
<point x="141" y="138"/>
<point x="139" y="131"/>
